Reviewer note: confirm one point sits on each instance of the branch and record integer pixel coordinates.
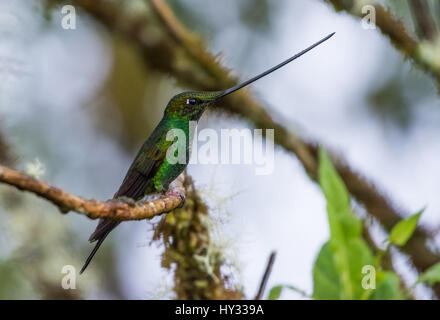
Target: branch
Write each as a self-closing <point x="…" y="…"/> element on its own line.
<point x="95" y="209"/>
<point x="386" y="261"/>
<point x="423" y="54"/>
<point x="266" y="275"/>
<point x="425" y="25"/>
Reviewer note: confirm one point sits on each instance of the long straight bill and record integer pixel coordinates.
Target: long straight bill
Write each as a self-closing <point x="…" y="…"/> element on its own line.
<point x="282" y="64"/>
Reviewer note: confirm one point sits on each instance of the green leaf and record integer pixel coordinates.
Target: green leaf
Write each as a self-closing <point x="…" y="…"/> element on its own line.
<point x="359" y="255"/>
<point x="388" y="287"/>
<point x="431" y="276"/>
<point x="326" y="279"/>
<point x="348" y="251"/>
<point x="331" y="184"/>
<point x="275" y="292"/>
<point x="404" y="229"/>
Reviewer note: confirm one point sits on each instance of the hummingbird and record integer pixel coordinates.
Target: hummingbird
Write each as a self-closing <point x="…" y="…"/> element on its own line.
<point x="150" y="171"/>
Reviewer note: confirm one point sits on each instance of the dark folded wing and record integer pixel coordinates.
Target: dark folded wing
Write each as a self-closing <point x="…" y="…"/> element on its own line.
<point x="134" y="185"/>
<point x="140" y="174"/>
<point x="145" y="166"/>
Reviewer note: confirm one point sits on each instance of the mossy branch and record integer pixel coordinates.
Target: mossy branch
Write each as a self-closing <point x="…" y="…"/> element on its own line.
<point x="95" y="209"/>
<point x="191" y="254"/>
<point x="424" y="53"/>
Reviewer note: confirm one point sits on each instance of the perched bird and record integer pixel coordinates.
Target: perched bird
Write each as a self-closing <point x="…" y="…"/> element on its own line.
<point x="151" y="172"/>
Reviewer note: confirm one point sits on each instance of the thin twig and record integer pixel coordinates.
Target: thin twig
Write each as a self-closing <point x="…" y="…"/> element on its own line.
<point x="386" y="261"/>
<point x="423" y="20"/>
<point x="266" y="275"/>
<point x="94" y="209"/>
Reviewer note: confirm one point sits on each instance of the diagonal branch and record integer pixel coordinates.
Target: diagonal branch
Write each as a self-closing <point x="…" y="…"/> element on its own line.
<point x="95" y="209"/>
<point x="424" y="54"/>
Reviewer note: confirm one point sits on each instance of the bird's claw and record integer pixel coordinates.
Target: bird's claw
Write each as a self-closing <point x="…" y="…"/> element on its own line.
<point x="176" y="194"/>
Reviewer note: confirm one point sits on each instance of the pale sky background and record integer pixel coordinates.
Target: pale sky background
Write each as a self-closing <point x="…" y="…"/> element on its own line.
<point x="47" y="77"/>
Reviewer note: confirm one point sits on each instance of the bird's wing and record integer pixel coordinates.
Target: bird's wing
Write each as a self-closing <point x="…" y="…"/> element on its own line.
<point x="142" y="170"/>
<point x="145" y="166"/>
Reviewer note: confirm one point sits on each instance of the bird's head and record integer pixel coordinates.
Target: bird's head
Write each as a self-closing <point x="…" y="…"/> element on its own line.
<point x="191" y="105"/>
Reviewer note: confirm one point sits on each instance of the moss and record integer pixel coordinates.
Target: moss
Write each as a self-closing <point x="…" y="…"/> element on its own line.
<point x="191" y="254"/>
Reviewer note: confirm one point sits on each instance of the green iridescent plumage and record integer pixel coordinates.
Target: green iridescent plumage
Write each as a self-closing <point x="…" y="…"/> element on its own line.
<point x="150" y="171"/>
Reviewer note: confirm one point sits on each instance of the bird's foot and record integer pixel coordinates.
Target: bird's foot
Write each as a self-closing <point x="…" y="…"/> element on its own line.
<point x="177" y="194"/>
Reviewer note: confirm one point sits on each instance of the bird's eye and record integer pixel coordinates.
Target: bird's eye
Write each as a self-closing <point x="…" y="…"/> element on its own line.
<point x="192" y="101"/>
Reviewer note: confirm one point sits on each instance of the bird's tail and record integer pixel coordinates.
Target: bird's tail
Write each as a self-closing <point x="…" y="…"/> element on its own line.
<point x="102" y="230"/>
